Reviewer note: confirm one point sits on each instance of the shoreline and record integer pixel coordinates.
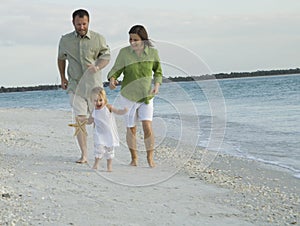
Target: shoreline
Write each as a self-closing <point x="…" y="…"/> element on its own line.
<point x="295" y="173"/>
<point x="41" y="184"/>
<point x="232" y="75"/>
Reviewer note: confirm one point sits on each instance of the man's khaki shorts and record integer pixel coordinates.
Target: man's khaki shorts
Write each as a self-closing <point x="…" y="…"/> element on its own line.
<point x="80" y="105"/>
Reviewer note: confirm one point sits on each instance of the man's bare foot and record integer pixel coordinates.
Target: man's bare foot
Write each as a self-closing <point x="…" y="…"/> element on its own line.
<point x="81" y="161"/>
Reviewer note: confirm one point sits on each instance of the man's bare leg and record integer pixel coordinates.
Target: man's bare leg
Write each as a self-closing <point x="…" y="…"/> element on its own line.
<point x="82" y="141"/>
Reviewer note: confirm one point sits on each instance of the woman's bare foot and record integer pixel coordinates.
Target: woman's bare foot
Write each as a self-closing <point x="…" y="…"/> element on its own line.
<point x="151" y="163"/>
<point x="150" y="159"/>
<point x="133" y="163"/>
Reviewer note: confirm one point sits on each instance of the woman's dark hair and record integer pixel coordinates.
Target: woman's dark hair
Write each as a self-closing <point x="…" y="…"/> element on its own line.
<point x="141" y="31"/>
<point x="81" y="13"/>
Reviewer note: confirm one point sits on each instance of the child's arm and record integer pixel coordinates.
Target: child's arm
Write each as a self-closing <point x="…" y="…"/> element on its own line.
<point x="117" y="111"/>
<point x="90" y="120"/>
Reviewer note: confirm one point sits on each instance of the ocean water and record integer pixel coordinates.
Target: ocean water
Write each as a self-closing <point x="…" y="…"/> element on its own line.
<point x="256" y="118"/>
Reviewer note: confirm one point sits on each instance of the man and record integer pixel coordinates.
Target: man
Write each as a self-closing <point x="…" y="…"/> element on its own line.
<point x="85" y="51"/>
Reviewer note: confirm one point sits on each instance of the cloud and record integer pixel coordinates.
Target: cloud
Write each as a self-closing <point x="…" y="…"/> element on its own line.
<point x="28" y="65"/>
<point x="7" y="43"/>
<point x="228" y="35"/>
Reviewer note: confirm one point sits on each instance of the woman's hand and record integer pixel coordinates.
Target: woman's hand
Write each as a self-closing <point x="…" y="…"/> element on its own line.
<point x="155" y="89"/>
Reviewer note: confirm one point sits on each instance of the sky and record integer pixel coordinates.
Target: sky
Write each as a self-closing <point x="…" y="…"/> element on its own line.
<point x="223" y="36"/>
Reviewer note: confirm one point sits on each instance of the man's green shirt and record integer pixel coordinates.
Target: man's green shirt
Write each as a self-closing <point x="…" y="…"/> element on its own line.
<point x="80" y="52"/>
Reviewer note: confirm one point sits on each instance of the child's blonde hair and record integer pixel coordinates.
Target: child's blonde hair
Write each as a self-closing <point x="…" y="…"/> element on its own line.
<point x="100" y="92"/>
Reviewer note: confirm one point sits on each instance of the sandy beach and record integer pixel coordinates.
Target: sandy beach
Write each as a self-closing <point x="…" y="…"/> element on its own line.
<point x="40" y="183"/>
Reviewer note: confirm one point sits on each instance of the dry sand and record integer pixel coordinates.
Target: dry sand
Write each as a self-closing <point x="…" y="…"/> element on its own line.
<point x="40" y="183"/>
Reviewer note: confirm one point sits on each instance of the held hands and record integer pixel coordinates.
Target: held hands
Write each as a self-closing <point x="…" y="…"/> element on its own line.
<point x="113" y="83"/>
<point x="119" y="111"/>
<point x="90" y="120"/>
<point x="123" y="111"/>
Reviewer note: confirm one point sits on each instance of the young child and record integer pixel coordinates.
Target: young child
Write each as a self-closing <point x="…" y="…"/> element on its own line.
<point x="105" y="130"/>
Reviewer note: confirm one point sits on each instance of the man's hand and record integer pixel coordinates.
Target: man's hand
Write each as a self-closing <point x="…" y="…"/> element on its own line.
<point x="64" y="83"/>
<point x="93" y="68"/>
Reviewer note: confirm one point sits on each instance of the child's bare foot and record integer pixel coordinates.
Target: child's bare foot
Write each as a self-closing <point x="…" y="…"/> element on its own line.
<point x="95" y="166"/>
<point x="109" y="165"/>
<point x="96" y="163"/>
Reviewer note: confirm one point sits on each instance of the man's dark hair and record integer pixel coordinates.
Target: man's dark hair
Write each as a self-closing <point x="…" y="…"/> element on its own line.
<point x="81" y="13"/>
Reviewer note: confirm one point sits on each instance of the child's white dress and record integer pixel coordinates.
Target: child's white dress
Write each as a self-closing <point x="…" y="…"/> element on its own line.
<point x="105" y="133"/>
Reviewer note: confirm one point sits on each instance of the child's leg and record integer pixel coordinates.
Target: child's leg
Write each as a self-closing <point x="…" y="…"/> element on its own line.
<point x="109" y="155"/>
<point x="98" y="153"/>
<point x="109" y="165"/>
<point x="96" y="163"/>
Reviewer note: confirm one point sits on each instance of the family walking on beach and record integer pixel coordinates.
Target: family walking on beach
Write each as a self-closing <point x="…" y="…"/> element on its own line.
<point x="84" y="53"/>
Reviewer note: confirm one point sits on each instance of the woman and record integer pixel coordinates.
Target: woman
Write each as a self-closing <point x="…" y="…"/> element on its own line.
<point x="139" y="62"/>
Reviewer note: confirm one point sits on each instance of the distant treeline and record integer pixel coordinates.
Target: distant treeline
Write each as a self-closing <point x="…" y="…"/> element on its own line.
<point x="232" y="75"/>
<point x="171" y="79"/>
<point x="29" y="88"/>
